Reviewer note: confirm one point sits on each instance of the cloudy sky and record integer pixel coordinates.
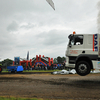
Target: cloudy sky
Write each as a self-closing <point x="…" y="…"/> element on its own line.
<point x="32" y="25"/>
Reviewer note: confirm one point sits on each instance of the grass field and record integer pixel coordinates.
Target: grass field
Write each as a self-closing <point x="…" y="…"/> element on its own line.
<point x="12" y="98"/>
<point x="40" y="70"/>
<point x="35" y="70"/>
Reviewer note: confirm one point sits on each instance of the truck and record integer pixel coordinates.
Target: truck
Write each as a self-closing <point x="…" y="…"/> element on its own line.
<point x="15" y="69"/>
<point x="83" y="53"/>
<point x="12" y="68"/>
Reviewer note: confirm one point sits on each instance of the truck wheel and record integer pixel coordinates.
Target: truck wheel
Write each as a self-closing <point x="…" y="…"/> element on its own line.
<point x="82" y="68"/>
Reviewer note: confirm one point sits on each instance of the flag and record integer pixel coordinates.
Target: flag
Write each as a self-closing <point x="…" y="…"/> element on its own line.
<point x="28" y="55"/>
<point x="51" y="3"/>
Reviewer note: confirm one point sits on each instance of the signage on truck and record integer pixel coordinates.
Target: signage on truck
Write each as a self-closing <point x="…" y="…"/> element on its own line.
<point x="95" y="42"/>
<point x="98" y="65"/>
<point x="73" y="51"/>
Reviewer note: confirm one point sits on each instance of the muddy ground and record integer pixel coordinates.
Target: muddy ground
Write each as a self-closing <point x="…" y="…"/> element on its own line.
<point x="47" y="86"/>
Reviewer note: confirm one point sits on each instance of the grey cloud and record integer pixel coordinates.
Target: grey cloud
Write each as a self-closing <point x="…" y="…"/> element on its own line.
<point x="22" y="20"/>
<point x="98" y="20"/>
<point x="9" y="7"/>
<point x="13" y="26"/>
<point x="28" y="26"/>
<point x="54" y="37"/>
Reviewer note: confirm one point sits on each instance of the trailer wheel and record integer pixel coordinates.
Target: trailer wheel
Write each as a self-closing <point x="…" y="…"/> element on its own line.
<point x="0" y="69"/>
<point x="9" y="71"/>
<point x="15" y="71"/>
<point x="82" y="68"/>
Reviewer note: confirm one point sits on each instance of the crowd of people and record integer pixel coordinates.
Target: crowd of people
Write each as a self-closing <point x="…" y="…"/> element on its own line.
<point x="39" y="66"/>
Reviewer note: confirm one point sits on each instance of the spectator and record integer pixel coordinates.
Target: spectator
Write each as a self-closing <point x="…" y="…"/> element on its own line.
<point x="44" y="67"/>
<point x="41" y="66"/>
<point x="52" y="66"/>
<point x="47" y="67"/>
<point x="63" y="65"/>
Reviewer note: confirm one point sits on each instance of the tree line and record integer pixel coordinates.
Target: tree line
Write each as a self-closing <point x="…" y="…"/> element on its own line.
<point x="6" y="62"/>
<point x="59" y="60"/>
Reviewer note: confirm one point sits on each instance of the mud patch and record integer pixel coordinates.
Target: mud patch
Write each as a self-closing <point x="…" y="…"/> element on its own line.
<point x="62" y="87"/>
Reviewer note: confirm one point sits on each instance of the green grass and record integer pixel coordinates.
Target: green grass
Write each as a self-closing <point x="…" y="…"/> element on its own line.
<point x="4" y="71"/>
<point x="36" y="70"/>
<point x="40" y="70"/>
<point x="12" y="98"/>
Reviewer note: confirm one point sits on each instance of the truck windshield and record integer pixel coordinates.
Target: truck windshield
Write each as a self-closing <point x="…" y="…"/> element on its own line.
<point x="76" y="40"/>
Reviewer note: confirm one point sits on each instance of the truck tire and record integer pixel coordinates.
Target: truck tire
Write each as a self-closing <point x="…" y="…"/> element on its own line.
<point x="83" y="68"/>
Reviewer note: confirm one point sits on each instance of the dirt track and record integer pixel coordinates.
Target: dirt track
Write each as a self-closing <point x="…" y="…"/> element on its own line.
<point x="47" y="86"/>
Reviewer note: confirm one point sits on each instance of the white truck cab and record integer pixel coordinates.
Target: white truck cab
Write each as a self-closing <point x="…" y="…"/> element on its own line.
<point x="83" y="53"/>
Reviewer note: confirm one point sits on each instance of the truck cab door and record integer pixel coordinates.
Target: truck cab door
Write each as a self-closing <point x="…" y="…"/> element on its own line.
<point x="75" y="46"/>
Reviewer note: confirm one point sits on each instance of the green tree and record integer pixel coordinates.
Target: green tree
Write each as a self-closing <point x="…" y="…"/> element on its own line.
<point x="59" y="59"/>
<point x="63" y="59"/>
<point x="55" y="61"/>
<point x="7" y="62"/>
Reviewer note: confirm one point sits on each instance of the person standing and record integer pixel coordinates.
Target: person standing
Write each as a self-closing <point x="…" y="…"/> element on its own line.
<point x="63" y="65"/>
<point x="52" y="66"/>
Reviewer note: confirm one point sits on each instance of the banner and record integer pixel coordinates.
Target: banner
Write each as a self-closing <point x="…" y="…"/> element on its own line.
<point x="16" y="60"/>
